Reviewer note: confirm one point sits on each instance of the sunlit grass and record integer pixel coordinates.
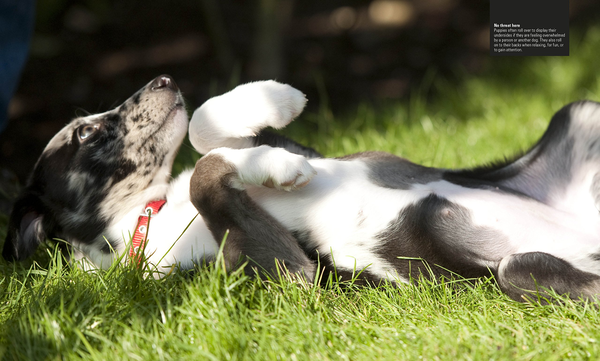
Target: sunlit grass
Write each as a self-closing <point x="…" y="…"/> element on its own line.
<point x="51" y="310"/>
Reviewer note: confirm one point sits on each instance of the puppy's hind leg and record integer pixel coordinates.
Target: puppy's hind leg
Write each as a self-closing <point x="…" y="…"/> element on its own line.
<point x="527" y="275"/>
<point x="217" y="190"/>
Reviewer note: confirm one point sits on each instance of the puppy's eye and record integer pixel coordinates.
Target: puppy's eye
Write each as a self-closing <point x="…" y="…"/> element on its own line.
<point x="87" y="130"/>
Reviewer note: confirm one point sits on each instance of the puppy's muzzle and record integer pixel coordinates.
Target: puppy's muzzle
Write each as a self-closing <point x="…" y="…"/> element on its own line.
<point x="164" y="82"/>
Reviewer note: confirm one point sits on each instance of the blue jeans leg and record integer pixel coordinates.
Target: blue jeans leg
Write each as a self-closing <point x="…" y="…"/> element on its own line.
<point x="16" y="26"/>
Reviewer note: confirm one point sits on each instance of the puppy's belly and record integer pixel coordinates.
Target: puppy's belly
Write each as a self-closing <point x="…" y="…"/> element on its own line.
<point x="343" y="213"/>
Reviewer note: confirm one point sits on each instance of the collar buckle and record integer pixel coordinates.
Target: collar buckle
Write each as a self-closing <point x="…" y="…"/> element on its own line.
<point x="140" y="236"/>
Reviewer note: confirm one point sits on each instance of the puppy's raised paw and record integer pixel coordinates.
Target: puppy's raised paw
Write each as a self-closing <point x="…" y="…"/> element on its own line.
<point x="287" y="171"/>
<point x="269" y="167"/>
<point x="283" y="101"/>
<point x="242" y="113"/>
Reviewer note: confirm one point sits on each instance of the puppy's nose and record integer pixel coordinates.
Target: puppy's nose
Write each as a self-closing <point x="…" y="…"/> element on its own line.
<point x="162" y="82"/>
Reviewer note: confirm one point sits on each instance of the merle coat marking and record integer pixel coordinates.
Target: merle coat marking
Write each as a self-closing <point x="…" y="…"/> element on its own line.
<point x="532" y="221"/>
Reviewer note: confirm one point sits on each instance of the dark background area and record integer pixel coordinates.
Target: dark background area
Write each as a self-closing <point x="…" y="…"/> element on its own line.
<point x="88" y="56"/>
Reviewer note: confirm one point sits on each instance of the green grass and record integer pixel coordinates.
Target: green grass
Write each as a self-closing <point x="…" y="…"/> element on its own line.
<point x="52" y="310"/>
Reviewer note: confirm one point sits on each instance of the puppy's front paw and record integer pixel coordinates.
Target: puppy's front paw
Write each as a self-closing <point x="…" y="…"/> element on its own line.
<point x="282" y="101"/>
<point x="269" y="167"/>
<point x="287" y="171"/>
<point x="224" y="120"/>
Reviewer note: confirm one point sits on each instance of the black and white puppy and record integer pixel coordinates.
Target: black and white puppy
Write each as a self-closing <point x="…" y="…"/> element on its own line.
<point x="532" y="222"/>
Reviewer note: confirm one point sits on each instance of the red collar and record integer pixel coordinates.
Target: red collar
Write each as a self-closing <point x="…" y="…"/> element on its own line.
<point x="140" y="236"/>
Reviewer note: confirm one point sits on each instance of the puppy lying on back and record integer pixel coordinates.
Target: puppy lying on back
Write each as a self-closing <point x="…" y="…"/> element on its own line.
<point x="532" y="221"/>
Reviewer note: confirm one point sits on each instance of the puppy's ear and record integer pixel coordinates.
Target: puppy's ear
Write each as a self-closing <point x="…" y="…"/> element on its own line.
<point x="25" y="229"/>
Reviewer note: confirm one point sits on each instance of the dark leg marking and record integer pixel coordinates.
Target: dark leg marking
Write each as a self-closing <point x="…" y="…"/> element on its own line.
<point x="254" y="235"/>
<point x="525" y="275"/>
<point x="436" y="236"/>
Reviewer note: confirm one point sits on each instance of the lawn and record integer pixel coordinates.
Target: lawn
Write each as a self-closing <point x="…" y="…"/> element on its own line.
<point x="52" y="310"/>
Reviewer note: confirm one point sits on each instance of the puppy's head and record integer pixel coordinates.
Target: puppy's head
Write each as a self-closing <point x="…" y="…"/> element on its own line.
<point x="95" y="166"/>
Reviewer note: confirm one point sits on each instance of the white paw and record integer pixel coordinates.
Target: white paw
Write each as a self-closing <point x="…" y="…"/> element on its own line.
<point x="269" y="167"/>
<point x="280" y="103"/>
<point x="243" y="112"/>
